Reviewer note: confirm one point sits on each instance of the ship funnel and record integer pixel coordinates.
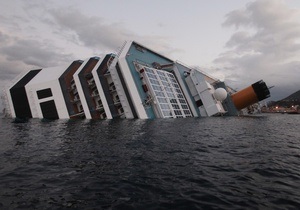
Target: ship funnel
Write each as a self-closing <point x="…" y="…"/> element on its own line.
<point x="251" y="95"/>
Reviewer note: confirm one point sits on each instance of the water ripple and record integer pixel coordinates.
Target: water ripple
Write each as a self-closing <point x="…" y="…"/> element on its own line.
<point x="208" y="163"/>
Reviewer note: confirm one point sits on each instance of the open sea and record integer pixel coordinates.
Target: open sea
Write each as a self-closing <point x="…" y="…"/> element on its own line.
<point x="194" y="163"/>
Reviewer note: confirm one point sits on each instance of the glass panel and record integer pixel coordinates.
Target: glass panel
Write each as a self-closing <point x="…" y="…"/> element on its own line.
<point x="168" y="94"/>
<point x="162" y="100"/>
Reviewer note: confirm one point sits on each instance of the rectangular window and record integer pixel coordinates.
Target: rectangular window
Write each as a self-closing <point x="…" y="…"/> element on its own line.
<point x="166" y="93"/>
<point x="162" y="100"/>
<point x="49" y="110"/>
<point x="45" y="93"/>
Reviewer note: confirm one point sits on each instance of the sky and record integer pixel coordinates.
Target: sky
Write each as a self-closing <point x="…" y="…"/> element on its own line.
<point x="237" y="41"/>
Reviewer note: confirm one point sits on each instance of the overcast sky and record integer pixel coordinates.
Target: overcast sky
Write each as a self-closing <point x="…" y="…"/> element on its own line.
<point x="239" y="41"/>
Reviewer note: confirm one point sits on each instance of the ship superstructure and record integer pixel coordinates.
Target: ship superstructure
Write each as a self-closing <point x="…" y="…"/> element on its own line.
<point x="136" y="82"/>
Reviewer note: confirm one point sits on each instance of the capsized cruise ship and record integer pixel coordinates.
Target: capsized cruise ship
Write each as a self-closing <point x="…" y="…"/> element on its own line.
<point x="136" y="82"/>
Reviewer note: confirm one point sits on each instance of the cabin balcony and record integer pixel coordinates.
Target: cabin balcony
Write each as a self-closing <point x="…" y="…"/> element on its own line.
<point x="99" y="107"/>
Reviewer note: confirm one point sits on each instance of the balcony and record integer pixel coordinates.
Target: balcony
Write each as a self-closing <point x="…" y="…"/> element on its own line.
<point x="107" y="73"/>
<point x="117" y="101"/>
<point x="75" y="91"/>
<point x="99" y="107"/>
<point x="94" y="94"/>
<point x="81" y="114"/>
<point x="112" y="88"/>
<point x="75" y="100"/>
<point x="91" y="82"/>
<point x="89" y="76"/>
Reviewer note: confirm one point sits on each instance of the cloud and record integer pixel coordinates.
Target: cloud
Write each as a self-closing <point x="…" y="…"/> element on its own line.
<point x="40" y="35"/>
<point x="49" y="36"/>
<point x="265" y="45"/>
<point x="90" y="30"/>
<point x="3" y="38"/>
<point x="34" y="52"/>
<point x="10" y="69"/>
<point x="22" y="54"/>
<point x="97" y="33"/>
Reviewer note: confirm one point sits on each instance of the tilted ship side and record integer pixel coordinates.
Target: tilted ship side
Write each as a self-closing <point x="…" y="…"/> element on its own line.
<point x="136" y="82"/>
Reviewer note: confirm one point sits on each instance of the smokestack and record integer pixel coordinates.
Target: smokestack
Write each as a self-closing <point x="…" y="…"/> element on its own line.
<point x="251" y="95"/>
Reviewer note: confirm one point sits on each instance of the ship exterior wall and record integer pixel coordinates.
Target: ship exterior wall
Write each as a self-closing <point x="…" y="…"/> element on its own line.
<point x="131" y="99"/>
<point x="136" y="53"/>
<point x="19" y="97"/>
<point x="88" y="86"/>
<point x="102" y="86"/>
<point x="104" y="93"/>
<point x="117" y="84"/>
<point x="134" y="83"/>
<point x="180" y="72"/>
<point x="65" y="84"/>
<point x="81" y="95"/>
<point x="47" y="80"/>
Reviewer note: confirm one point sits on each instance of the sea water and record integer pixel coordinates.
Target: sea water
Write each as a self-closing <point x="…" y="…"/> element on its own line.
<point x="193" y="163"/>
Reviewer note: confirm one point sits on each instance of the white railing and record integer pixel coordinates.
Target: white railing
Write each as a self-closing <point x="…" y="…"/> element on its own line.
<point x="114" y="57"/>
<point x="197" y="69"/>
<point x="116" y="101"/>
<point x="76" y="99"/>
<point x="73" y="86"/>
<point x="99" y="107"/>
<point x="94" y="94"/>
<point x="91" y="83"/>
<point x="112" y="88"/>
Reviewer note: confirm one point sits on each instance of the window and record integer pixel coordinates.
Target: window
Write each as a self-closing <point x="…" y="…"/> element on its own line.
<point x="167" y="93"/>
<point x="49" y="110"/>
<point x="80" y="108"/>
<point x="45" y="93"/>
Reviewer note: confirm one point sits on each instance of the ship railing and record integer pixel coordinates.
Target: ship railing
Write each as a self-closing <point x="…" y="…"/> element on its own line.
<point x="77" y="114"/>
<point x="91" y="84"/>
<point x="112" y="88"/>
<point x="74" y="91"/>
<point x="94" y="94"/>
<point x="73" y="86"/>
<point x="199" y="70"/>
<point x="115" y="56"/>
<point x="76" y="99"/>
<point x="99" y="107"/>
<point x="91" y="81"/>
<point x="117" y="101"/>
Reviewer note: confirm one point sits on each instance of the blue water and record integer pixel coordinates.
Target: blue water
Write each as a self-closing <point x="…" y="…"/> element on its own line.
<point x="208" y="163"/>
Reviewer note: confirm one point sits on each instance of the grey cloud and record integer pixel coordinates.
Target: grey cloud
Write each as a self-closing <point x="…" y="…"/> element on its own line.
<point x="265" y="45"/>
<point x="237" y="18"/>
<point x="19" y="55"/>
<point x="12" y="23"/>
<point x="10" y="69"/>
<point x="237" y="38"/>
<point x="34" y="53"/>
<point x="96" y="33"/>
<point x="72" y="27"/>
<point x="92" y="31"/>
<point x="3" y="37"/>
